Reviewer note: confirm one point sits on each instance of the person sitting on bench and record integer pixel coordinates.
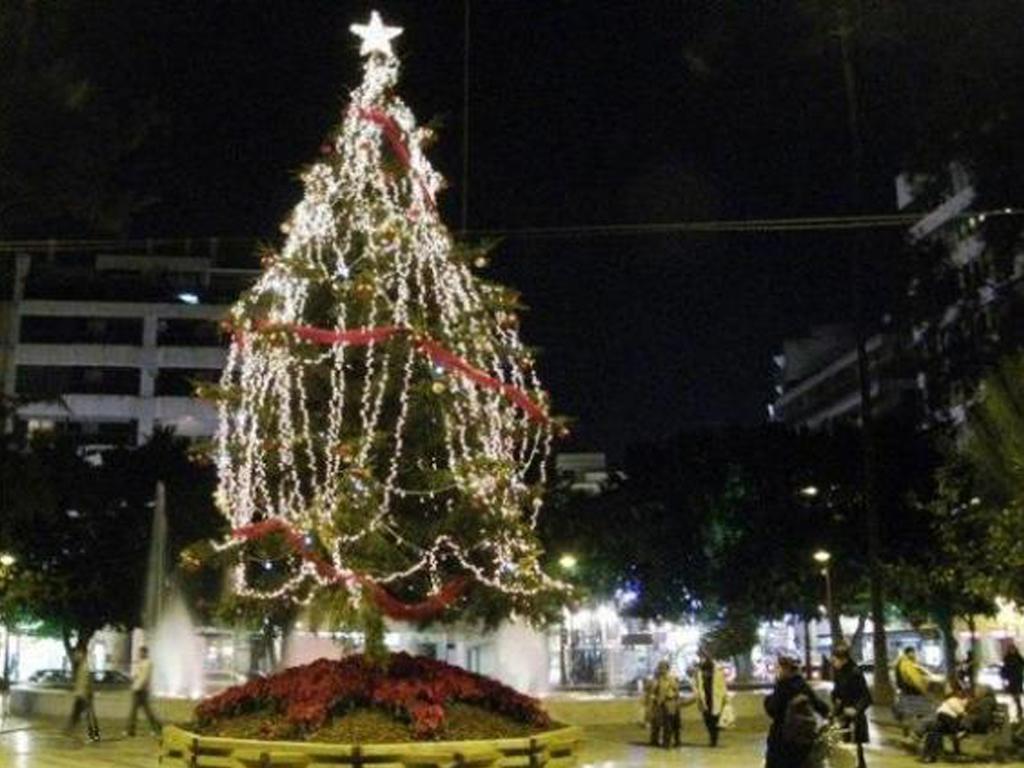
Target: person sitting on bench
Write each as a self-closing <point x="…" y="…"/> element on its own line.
<point x="948" y="722"/>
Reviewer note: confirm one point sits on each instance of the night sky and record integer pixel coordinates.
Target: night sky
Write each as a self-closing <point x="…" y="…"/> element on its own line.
<point x="581" y="113"/>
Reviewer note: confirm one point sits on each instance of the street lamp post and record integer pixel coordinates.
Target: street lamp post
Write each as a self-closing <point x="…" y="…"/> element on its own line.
<point x="567" y="563"/>
<point x="824" y="559"/>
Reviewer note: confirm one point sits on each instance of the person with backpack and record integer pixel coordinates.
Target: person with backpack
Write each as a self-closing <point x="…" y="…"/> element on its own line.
<point x="850" y="699"/>
<point x="792" y="706"/>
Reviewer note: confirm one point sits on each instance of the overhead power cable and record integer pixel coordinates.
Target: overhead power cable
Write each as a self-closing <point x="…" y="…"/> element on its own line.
<point x="713" y="226"/>
<point x="796" y="224"/>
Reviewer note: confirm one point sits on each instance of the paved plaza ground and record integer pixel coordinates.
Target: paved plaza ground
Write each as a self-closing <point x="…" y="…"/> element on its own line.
<point x="26" y="744"/>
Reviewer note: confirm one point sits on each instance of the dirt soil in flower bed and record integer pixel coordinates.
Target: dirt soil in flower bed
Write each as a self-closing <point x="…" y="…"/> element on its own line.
<point x="375" y="726"/>
<point x="354" y="700"/>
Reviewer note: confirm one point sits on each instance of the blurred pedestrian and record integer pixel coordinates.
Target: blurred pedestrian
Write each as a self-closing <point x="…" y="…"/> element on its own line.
<point x="83" y="695"/>
<point x="967" y="671"/>
<point x="791" y="706"/>
<point x="710" y="692"/>
<point x="850" y="699"/>
<point x="664" y="705"/>
<point x="1012" y="673"/>
<point x="141" y="679"/>
<point x="5" y="699"/>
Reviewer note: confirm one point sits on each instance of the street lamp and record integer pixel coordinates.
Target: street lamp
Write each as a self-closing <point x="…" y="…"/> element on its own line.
<point x="824" y="558"/>
<point x="567" y="562"/>
<point x="809" y="491"/>
<point x="7" y="559"/>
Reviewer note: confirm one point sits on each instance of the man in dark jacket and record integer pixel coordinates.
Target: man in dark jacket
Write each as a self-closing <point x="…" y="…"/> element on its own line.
<point x="791" y="706"/>
<point x="850" y="699"/>
<point x="1013" y="673"/>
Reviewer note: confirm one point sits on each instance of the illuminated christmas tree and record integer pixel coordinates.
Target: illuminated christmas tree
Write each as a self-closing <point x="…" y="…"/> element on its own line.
<point x="382" y="431"/>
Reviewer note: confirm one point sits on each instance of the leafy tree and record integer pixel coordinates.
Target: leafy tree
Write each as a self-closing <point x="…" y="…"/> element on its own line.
<point x="995" y="451"/>
<point x="80" y="532"/>
<point x="69" y="147"/>
<point x="949" y="573"/>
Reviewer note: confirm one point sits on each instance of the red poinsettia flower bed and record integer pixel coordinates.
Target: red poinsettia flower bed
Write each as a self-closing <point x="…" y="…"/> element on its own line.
<point x="412" y="688"/>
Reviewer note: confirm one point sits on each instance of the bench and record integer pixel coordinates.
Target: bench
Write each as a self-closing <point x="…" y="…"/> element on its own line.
<point x="913" y="711"/>
<point x="996" y="741"/>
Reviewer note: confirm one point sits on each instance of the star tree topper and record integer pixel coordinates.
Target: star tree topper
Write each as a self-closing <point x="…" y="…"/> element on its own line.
<point x="375" y="36"/>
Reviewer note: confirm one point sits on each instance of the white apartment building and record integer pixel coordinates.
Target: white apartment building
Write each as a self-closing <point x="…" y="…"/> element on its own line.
<point x="973" y="295"/>
<point x="965" y="309"/>
<point x="108" y="341"/>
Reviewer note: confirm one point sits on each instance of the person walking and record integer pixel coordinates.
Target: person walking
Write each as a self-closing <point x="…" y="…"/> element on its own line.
<point x="850" y="699"/>
<point x="664" y="707"/>
<point x="83" y="696"/>
<point x="1012" y="673"/>
<point x="141" y="680"/>
<point x="791" y="706"/>
<point x="709" y="689"/>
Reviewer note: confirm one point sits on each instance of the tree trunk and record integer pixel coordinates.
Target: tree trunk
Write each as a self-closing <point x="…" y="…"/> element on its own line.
<point x="975" y="651"/>
<point x="65" y="636"/>
<point x="807" y="649"/>
<point x="744" y="666"/>
<point x="373" y="632"/>
<point x="857" y="640"/>
<point x="883" y="693"/>
<point x="944" y="619"/>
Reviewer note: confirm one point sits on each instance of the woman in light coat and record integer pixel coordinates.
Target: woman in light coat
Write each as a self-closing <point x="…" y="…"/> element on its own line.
<point x="710" y="692"/>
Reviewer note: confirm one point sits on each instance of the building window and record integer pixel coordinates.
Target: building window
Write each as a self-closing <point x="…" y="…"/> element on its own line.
<point x="44" y="329"/>
<point x="39" y="426"/>
<point x="181" y="382"/>
<point x="188" y="332"/>
<point x="46" y="381"/>
<point x="84" y="432"/>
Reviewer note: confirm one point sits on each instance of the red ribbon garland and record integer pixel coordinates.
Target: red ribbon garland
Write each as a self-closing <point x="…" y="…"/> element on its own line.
<point x="439" y="355"/>
<point x="433" y="606"/>
<point x="388" y="604"/>
<point x="393" y="133"/>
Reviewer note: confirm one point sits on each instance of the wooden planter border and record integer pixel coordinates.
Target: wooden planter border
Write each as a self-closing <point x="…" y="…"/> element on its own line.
<point x="553" y="749"/>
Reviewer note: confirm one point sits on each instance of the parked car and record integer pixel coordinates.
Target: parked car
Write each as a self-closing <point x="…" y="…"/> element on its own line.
<point x="50" y="678"/>
<point x="217" y="680"/>
<point x="58" y="678"/>
<point x="991" y="675"/>
<point x="110" y="678"/>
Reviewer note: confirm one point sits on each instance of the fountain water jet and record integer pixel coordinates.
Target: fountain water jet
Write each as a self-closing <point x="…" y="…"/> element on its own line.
<point x="174" y="646"/>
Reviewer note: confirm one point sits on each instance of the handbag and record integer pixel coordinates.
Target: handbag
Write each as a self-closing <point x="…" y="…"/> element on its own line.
<point x="727" y="717"/>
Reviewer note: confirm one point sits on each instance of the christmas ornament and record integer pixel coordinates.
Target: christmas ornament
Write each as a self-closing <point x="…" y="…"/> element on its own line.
<point x="375" y="36"/>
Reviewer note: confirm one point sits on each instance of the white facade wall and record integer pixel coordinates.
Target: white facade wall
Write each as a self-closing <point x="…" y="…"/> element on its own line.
<point x="188" y="416"/>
